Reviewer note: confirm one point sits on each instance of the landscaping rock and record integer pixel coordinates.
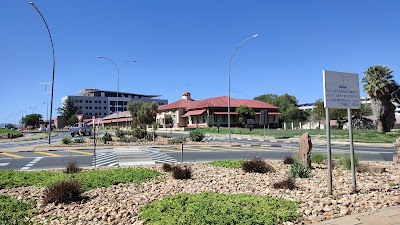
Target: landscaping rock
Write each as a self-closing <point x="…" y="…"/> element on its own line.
<point x="397" y="146"/>
<point x="370" y="169"/>
<point x="305" y="146"/>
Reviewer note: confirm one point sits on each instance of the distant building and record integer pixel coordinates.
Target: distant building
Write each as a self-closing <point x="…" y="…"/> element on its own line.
<point x="188" y="113"/>
<point x="101" y="103"/>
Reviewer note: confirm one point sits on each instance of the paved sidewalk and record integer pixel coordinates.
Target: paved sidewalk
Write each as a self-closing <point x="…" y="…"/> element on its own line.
<point x="387" y="216"/>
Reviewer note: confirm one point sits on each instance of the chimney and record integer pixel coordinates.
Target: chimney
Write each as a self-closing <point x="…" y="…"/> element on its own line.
<point x="186" y="95"/>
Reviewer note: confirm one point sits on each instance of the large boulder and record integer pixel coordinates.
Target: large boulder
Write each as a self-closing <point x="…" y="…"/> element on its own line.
<point x="305" y="146"/>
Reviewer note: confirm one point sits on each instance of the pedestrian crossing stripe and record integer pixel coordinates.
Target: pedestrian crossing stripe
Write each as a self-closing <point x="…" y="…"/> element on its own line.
<point x="80" y="152"/>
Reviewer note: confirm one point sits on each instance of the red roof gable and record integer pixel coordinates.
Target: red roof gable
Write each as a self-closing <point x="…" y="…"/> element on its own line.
<point x="221" y="101"/>
<point x="182" y="103"/>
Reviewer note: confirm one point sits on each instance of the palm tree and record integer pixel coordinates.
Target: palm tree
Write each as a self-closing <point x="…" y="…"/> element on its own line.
<point x="379" y="85"/>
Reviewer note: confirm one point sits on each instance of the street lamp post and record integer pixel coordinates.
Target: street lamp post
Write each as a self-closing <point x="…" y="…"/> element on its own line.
<point x="229" y="84"/>
<point x="54" y="65"/>
<point x="101" y="57"/>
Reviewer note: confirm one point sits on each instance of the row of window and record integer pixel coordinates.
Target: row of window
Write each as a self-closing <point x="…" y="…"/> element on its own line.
<point x="89" y="101"/>
<point x="96" y="114"/>
<point x="111" y="102"/>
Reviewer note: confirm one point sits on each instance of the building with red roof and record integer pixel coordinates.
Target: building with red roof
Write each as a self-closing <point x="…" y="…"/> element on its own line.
<point x="189" y="113"/>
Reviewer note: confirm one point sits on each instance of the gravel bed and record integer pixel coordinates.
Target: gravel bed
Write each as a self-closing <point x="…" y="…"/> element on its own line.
<point x="119" y="204"/>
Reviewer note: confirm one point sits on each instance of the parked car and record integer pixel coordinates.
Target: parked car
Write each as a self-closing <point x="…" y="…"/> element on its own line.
<point x="42" y="129"/>
<point x="83" y="129"/>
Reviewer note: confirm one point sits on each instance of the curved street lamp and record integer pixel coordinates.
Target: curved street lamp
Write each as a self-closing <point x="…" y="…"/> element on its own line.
<point x="229" y="84"/>
<point x="101" y="57"/>
<point x="54" y="65"/>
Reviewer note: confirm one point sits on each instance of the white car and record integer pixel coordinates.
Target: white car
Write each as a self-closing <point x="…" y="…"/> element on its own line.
<point x="42" y="129"/>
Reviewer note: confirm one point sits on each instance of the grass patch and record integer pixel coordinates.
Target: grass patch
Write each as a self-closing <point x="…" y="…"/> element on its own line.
<point x="364" y="136"/>
<point x="216" y="208"/>
<point x="235" y="164"/>
<point x="13" y="211"/>
<point x="89" y="179"/>
<point x="345" y="161"/>
<point x="7" y="131"/>
<point x="318" y="157"/>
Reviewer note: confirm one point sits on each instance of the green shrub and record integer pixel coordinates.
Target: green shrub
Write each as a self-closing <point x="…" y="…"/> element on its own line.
<point x="288" y="183"/>
<point x="256" y="165"/>
<point x="150" y="136"/>
<point x="89" y="179"/>
<point x="139" y="133"/>
<point x="63" y="192"/>
<point x="66" y="141"/>
<point x="218" y="208"/>
<point x="196" y="135"/>
<point x="181" y="173"/>
<point x="236" y="164"/>
<point x="13" y="211"/>
<point x="318" y="157"/>
<point x="345" y="161"/>
<point x="106" y="138"/>
<point x="298" y="170"/>
<point x="119" y="133"/>
<point x="167" y="167"/>
<point x="79" y="140"/>
<point x="177" y="140"/>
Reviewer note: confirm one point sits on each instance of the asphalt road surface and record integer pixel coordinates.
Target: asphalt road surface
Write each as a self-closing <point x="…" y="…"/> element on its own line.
<point x="122" y="156"/>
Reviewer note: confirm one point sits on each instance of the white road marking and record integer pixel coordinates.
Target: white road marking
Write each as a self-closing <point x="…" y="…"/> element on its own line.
<point x="33" y="162"/>
<point x="4" y="164"/>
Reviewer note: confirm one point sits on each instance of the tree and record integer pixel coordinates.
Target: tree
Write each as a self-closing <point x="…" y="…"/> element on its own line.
<point x="32" y="120"/>
<point x="244" y="113"/>
<point x="287" y="107"/>
<point x="142" y="113"/>
<point x="380" y="85"/>
<point x="68" y="112"/>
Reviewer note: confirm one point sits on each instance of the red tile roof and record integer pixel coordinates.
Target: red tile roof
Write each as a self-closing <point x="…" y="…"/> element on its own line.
<point x="221" y="101"/>
<point x="182" y="103"/>
<point x="194" y="112"/>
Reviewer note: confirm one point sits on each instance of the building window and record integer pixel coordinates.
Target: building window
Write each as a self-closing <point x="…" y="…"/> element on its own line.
<point x="86" y="113"/>
<point x="95" y="101"/>
<point x="90" y="113"/>
<point x="105" y="101"/>
<point x="105" y="113"/>
<point x="204" y="119"/>
<point x="90" y="107"/>
<point x="90" y="101"/>
<point x="80" y="101"/>
<point x="86" y="101"/>
<point x="105" y="107"/>
<point x="86" y="107"/>
<point x="234" y="118"/>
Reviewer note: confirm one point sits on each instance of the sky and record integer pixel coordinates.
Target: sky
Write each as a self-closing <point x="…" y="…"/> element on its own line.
<point x="186" y="45"/>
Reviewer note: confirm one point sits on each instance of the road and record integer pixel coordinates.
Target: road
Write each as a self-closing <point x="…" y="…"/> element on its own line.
<point x="125" y="156"/>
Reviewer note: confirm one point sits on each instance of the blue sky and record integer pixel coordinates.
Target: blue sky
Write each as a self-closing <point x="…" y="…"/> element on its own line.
<point x="177" y="41"/>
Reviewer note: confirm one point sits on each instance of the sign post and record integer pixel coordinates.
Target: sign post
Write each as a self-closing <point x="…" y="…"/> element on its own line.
<point x="264" y="119"/>
<point x="94" y="139"/>
<point x="341" y="90"/>
<point x="250" y="125"/>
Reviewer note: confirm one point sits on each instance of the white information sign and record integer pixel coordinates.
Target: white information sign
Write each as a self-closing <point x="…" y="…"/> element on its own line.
<point x="341" y="90"/>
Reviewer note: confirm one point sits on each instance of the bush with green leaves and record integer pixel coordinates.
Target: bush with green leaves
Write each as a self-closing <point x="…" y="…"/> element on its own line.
<point x="106" y="138"/>
<point x="178" y="140"/>
<point x="64" y="192"/>
<point x="79" y="140"/>
<point x="196" y="135"/>
<point x="150" y="136"/>
<point x="66" y="141"/>
<point x="139" y="133"/>
<point x="236" y="164"/>
<point x="297" y="170"/>
<point x="256" y="165"/>
<point x="218" y="208"/>
<point x="89" y="179"/>
<point x="318" y="157"/>
<point x="13" y="211"/>
<point x="119" y="133"/>
<point x="345" y="161"/>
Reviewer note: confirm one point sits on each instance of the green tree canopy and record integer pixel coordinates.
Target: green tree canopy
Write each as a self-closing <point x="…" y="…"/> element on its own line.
<point x="143" y="113"/>
<point x="32" y="120"/>
<point x="68" y="112"/>
<point x="244" y="112"/>
<point x="287" y="107"/>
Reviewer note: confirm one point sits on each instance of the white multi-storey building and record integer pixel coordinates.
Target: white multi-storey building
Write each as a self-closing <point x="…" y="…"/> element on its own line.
<point x="101" y="103"/>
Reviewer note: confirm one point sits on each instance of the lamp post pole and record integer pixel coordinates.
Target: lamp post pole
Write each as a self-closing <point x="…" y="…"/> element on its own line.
<point x="229" y="84"/>
<point x="101" y="57"/>
<point x="54" y="65"/>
